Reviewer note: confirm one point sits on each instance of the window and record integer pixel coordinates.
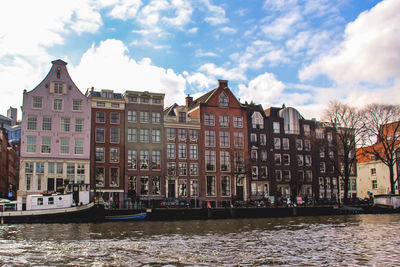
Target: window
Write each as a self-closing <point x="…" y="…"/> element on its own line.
<point x="210" y="160"/>
<point x="224" y="139"/>
<point x="193" y="151"/>
<point x="37" y="102"/>
<point x="238" y="139"/>
<point x="144" y="185"/>
<point x="257" y="121"/>
<point x="225" y="161"/>
<point x="40" y="167"/>
<point x="156" y="136"/>
<point x="144" y="100"/>
<point x="307" y="160"/>
<point x="132" y="135"/>
<point x="50" y="167"/>
<point x="57" y="104"/>
<point x="277" y="159"/>
<point x="144" y="159"/>
<point x="182" y="151"/>
<point x="40" y="199"/>
<point x="79" y="146"/>
<point x="182" y="168"/>
<point x="374" y="184"/>
<point x="46" y="123"/>
<point x="319" y="133"/>
<point x="226" y="186"/>
<point x="299" y="144"/>
<point x="171" y="151"/>
<point x="64" y="145"/>
<point x="285" y="143"/>
<point x="182" y="134"/>
<point x="156" y="160"/>
<point x="99" y="176"/>
<point x="156" y="185"/>
<point x="101" y="104"/>
<point x="322" y="167"/>
<point x="210" y="138"/>
<point x="223" y="100"/>
<point x="238" y="122"/>
<point x="224" y="120"/>
<point x="46" y="144"/>
<point x="331" y="154"/>
<point x="132" y="99"/>
<point x="115" y="135"/>
<point x="58" y="88"/>
<point x="80" y="173"/>
<point x="182" y="116"/>
<point x="277" y="127"/>
<point x="115" y="105"/>
<point x="263" y="155"/>
<point x="28" y="167"/>
<point x="193" y="134"/>
<point x="254" y="172"/>
<point x="321" y="153"/>
<point x="278" y="175"/>
<point x="239" y="162"/>
<point x="156" y="117"/>
<point x="182" y="188"/>
<point x="373" y="171"/>
<point x="144" y="135"/>
<point x="132" y="159"/>
<point x="99" y="135"/>
<point x="114" y="118"/>
<point x="65" y="124"/>
<point x="300" y="160"/>
<point x="114" y="154"/>
<point x="100" y="117"/>
<point x="114" y="174"/>
<point x="156" y="100"/>
<point x="263" y="139"/>
<point x="76" y="105"/>
<point x="277" y="143"/>
<point x="100" y="154"/>
<point x="79" y="125"/>
<point x="253" y="139"/>
<point x="132" y="116"/>
<point x="144" y="116"/>
<point x="60" y="168"/>
<point x="307" y="145"/>
<point x="308" y="176"/>
<point x="71" y="172"/>
<point x="209" y="119"/>
<point x="306" y="129"/>
<point x="171" y="133"/>
<point x="329" y="137"/>
<point x="194" y="192"/>
<point x="253" y="155"/>
<point x="286" y="159"/>
<point x="286" y="175"/>
<point x="31" y="144"/>
<point x="171" y="171"/>
<point x="264" y="172"/>
<point x="194" y="169"/>
<point x="32" y="123"/>
<point x="210" y="186"/>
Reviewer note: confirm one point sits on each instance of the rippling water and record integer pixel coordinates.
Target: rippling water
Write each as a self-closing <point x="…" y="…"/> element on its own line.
<point x="366" y="240"/>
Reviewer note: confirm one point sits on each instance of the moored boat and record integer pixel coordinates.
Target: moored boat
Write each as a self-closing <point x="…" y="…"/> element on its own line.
<point x="127" y="217"/>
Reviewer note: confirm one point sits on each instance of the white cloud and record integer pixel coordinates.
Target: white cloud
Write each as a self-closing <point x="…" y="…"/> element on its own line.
<point x="281" y="26"/>
<point x="198" y="81"/>
<point x="125" y="9"/>
<point x="228" y="30"/>
<point x="216" y="14"/>
<point x="263" y="89"/>
<point x="193" y="30"/>
<point x="370" y="51"/>
<point x="202" y="53"/>
<point x="279" y="4"/>
<point x="213" y="71"/>
<point x="109" y="67"/>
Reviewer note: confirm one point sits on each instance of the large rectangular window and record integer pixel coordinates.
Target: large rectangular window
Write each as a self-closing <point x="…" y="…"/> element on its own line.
<point x="156" y="185"/>
<point x="171" y="133"/>
<point x="156" y="160"/>
<point x="182" y="184"/>
<point x="226" y="186"/>
<point x="156" y="117"/>
<point x="132" y="135"/>
<point x="114" y="135"/>
<point x="71" y="172"/>
<point x="32" y="123"/>
<point x="156" y="136"/>
<point x="144" y="185"/>
<point x="193" y="151"/>
<point x="64" y="145"/>
<point x="144" y="135"/>
<point x="238" y="122"/>
<point x="225" y="161"/>
<point x="79" y="125"/>
<point x="210" y="186"/>
<point x="132" y="159"/>
<point x="76" y="105"/>
<point x="209" y="119"/>
<point x="144" y="116"/>
<point x="114" y="118"/>
<point x="171" y="151"/>
<point x="31" y="144"/>
<point x="114" y="154"/>
<point x="193" y="169"/>
<point x="80" y="173"/>
<point x="182" y="168"/>
<point x="144" y="159"/>
<point x="65" y="124"/>
<point x="210" y="138"/>
<point x="182" y="134"/>
<point x="100" y="117"/>
<point x="114" y="177"/>
<point x="100" y="135"/>
<point x="210" y="160"/>
<point x="100" y="176"/>
<point x="224" y="139"/>
<point x="224" y="120"/>
<point x="78" y="146"/>
<point x="132" y="116"/>
<point x="238" y="139"/>
<point x="37" y="102"/>
<point x="100" y="154"/>
<point x="58" y="104"/>
<point x="46" y="123"/>
<point x="193" y="135"/>
<point x="46" y="144"/>
<point x="182" y="151"/>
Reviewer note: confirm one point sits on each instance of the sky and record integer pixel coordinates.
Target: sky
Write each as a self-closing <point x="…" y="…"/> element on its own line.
<point x="301" y="53"/>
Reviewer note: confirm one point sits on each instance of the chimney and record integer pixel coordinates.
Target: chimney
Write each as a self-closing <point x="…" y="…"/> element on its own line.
<point x="222" y="84"/>
<point x="189" y="101"/>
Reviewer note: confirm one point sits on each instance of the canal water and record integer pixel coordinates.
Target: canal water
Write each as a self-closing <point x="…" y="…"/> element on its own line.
<point x="354" y="240"/>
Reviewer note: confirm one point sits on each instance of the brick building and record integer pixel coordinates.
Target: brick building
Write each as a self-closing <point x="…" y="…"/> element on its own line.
<point x="222" y="145"/>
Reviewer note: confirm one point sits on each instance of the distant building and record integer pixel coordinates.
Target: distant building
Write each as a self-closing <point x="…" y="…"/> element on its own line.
<point x="55" y="134"/>
<point x="8" y="168"/>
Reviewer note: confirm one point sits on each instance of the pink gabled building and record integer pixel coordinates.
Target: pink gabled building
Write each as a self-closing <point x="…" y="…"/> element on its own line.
<point x="55" y="135"/>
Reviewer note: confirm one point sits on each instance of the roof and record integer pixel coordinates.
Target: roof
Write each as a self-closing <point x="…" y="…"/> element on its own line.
<point x="170" y="111"/>
<point x="202" y="99"/>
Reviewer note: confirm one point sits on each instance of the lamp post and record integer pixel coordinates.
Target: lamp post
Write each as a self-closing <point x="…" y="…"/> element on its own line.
<point x="195" y="195"/>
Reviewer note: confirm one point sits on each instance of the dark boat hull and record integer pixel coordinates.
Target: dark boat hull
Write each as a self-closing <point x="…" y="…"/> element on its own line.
<point x="81" y="214"/>
<point x="128" y="217"/>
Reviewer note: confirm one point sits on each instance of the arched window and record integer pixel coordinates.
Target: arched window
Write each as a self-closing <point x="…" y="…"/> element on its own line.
<point x="223" y="100"/>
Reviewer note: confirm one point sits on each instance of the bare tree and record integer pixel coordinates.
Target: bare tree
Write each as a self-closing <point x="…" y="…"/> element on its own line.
<point x="347" y="125"/>
<point x="382" y="135"/>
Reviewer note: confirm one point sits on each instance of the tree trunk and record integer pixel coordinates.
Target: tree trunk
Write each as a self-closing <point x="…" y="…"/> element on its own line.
<point x="391" y="178"/>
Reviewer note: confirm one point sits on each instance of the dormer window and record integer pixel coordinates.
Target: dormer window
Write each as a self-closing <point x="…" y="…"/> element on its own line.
<point x="58" y="88"/>
<point x="223" y="100"/>
<point x="182" y="116"/>
<point x="257" y="121"/>
<point x="58" y="73"/>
